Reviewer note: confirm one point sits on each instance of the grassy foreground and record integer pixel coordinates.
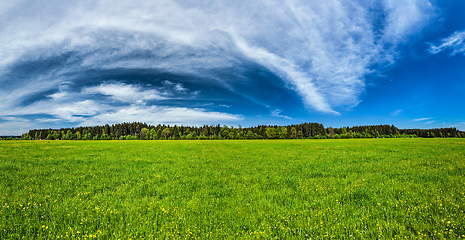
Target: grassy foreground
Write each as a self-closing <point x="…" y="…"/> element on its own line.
<point x="284" y="189"/>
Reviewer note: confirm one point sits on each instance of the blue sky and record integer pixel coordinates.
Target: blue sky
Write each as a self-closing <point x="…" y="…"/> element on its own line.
<point x="336" y="62"/>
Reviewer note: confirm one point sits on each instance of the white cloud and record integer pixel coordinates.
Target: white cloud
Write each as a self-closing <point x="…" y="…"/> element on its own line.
<point x="46" y="120"/>
<point x="124" y="92"/>
<point x="276" y="113"/>
<point x="88" y="112"/>
<point x="14" y="126"/>
<point x="57" y="95"/>
<point x="323" y="49"/>
<point x="455" y="42"/>
<point x="180" y="88"/>
<point x="162" y="115"/>
<point x="421" y="119"/>
<point x="15" y="119"/>
<point x="75" y="112"/>
<point x="429" y="122"/>
<point x="405" y="18"/>
<point x="396" y="112"/>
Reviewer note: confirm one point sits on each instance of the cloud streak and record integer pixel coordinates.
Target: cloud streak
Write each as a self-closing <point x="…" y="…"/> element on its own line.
<point x="455" y="42"/>
<point x="396" y="112"/>
<point x="421" y="119"/>
<point x="277" y="113"/>
<point x="125" y="93"/>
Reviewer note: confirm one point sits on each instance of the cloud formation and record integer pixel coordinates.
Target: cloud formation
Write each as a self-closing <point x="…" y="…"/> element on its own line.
<point x="455" y="42"/>
<point x="396" y="112"/>
<point x="421" y="119"/>
<point x="277" y="113"/>
<point x="125" y="93"/>
<point x="70" y="52"/>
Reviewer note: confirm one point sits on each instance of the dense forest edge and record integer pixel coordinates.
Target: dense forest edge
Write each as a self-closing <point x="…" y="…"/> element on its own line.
<point x="138" y="130"/>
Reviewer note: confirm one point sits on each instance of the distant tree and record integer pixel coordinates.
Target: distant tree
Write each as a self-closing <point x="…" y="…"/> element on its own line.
<point x="78" y="135"/>
<point x="166" y="133"/>
<point x="249" y="134"/>
<point x="231" y="135"/>
<point x="344" y="131"/>
<point x="270" y="133"/>
<point x="234" y="131"/>
<point x="69" y="135"/>
<point x="282" y="132"/>
<point x="293" y="132"/>
<point x="224" y="132"/>
<point x="144" y="134"/>
<point x="50" y="137"/>
<point x="331" y="132"/>
<point x="240" y="134"/>
<point x="194" y="135"/>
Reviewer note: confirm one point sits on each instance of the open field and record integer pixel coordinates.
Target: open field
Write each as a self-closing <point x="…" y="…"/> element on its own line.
<point x="285" y="189"/>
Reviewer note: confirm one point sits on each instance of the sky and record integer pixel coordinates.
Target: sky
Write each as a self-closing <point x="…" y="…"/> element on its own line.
<point x="236" y="63"/>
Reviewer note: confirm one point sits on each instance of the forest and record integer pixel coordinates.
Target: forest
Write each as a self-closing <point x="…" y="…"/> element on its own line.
<point x="143" y="131"/>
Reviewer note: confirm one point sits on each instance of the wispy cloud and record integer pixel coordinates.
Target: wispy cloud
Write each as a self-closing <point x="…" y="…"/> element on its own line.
<point x="14" y="126"/>
<point x="396" y="112"/>
<point x="321" y="50"/>
<point x="455" y="42"/>
<point x="124" y="92"/>
<point x="421" y="119"/>
<point x="276" y="113"/>
<point x="429" y="122"/>
<point x="130" y="104"/>
<point x="164" y="115"/>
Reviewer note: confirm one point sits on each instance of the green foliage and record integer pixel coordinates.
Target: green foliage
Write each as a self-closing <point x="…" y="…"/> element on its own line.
<point x="129" y="137"/>
<point x="153" y="135"/>
<point x="78" y="135"/>
<point x="224" y="133"/>
<point x="231" y="135"/>
<point x="144" y="134"/>
<point x="293" y="133"/>
<point x="282" y="132"/>
<point x="344" y="131"/>
<point x="166" y="133"/>
<point x="105" y="137"/>
<point x="250" y="135"/>
<point x="299" y="189"/>
<point x="304" y="130"/>
<point x="50" y="137"/>
<point x="202" y="137"/>
<point x="271" y="133"/>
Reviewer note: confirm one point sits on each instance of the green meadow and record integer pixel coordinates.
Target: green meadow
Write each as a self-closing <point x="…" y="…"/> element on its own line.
<point x="231" y="189"/>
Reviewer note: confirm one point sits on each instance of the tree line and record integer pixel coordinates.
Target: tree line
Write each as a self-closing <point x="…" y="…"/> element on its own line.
<point x="138" y="130"/>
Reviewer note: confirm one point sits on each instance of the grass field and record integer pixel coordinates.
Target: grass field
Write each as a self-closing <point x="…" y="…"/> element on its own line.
<point x="284" y="189"/>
